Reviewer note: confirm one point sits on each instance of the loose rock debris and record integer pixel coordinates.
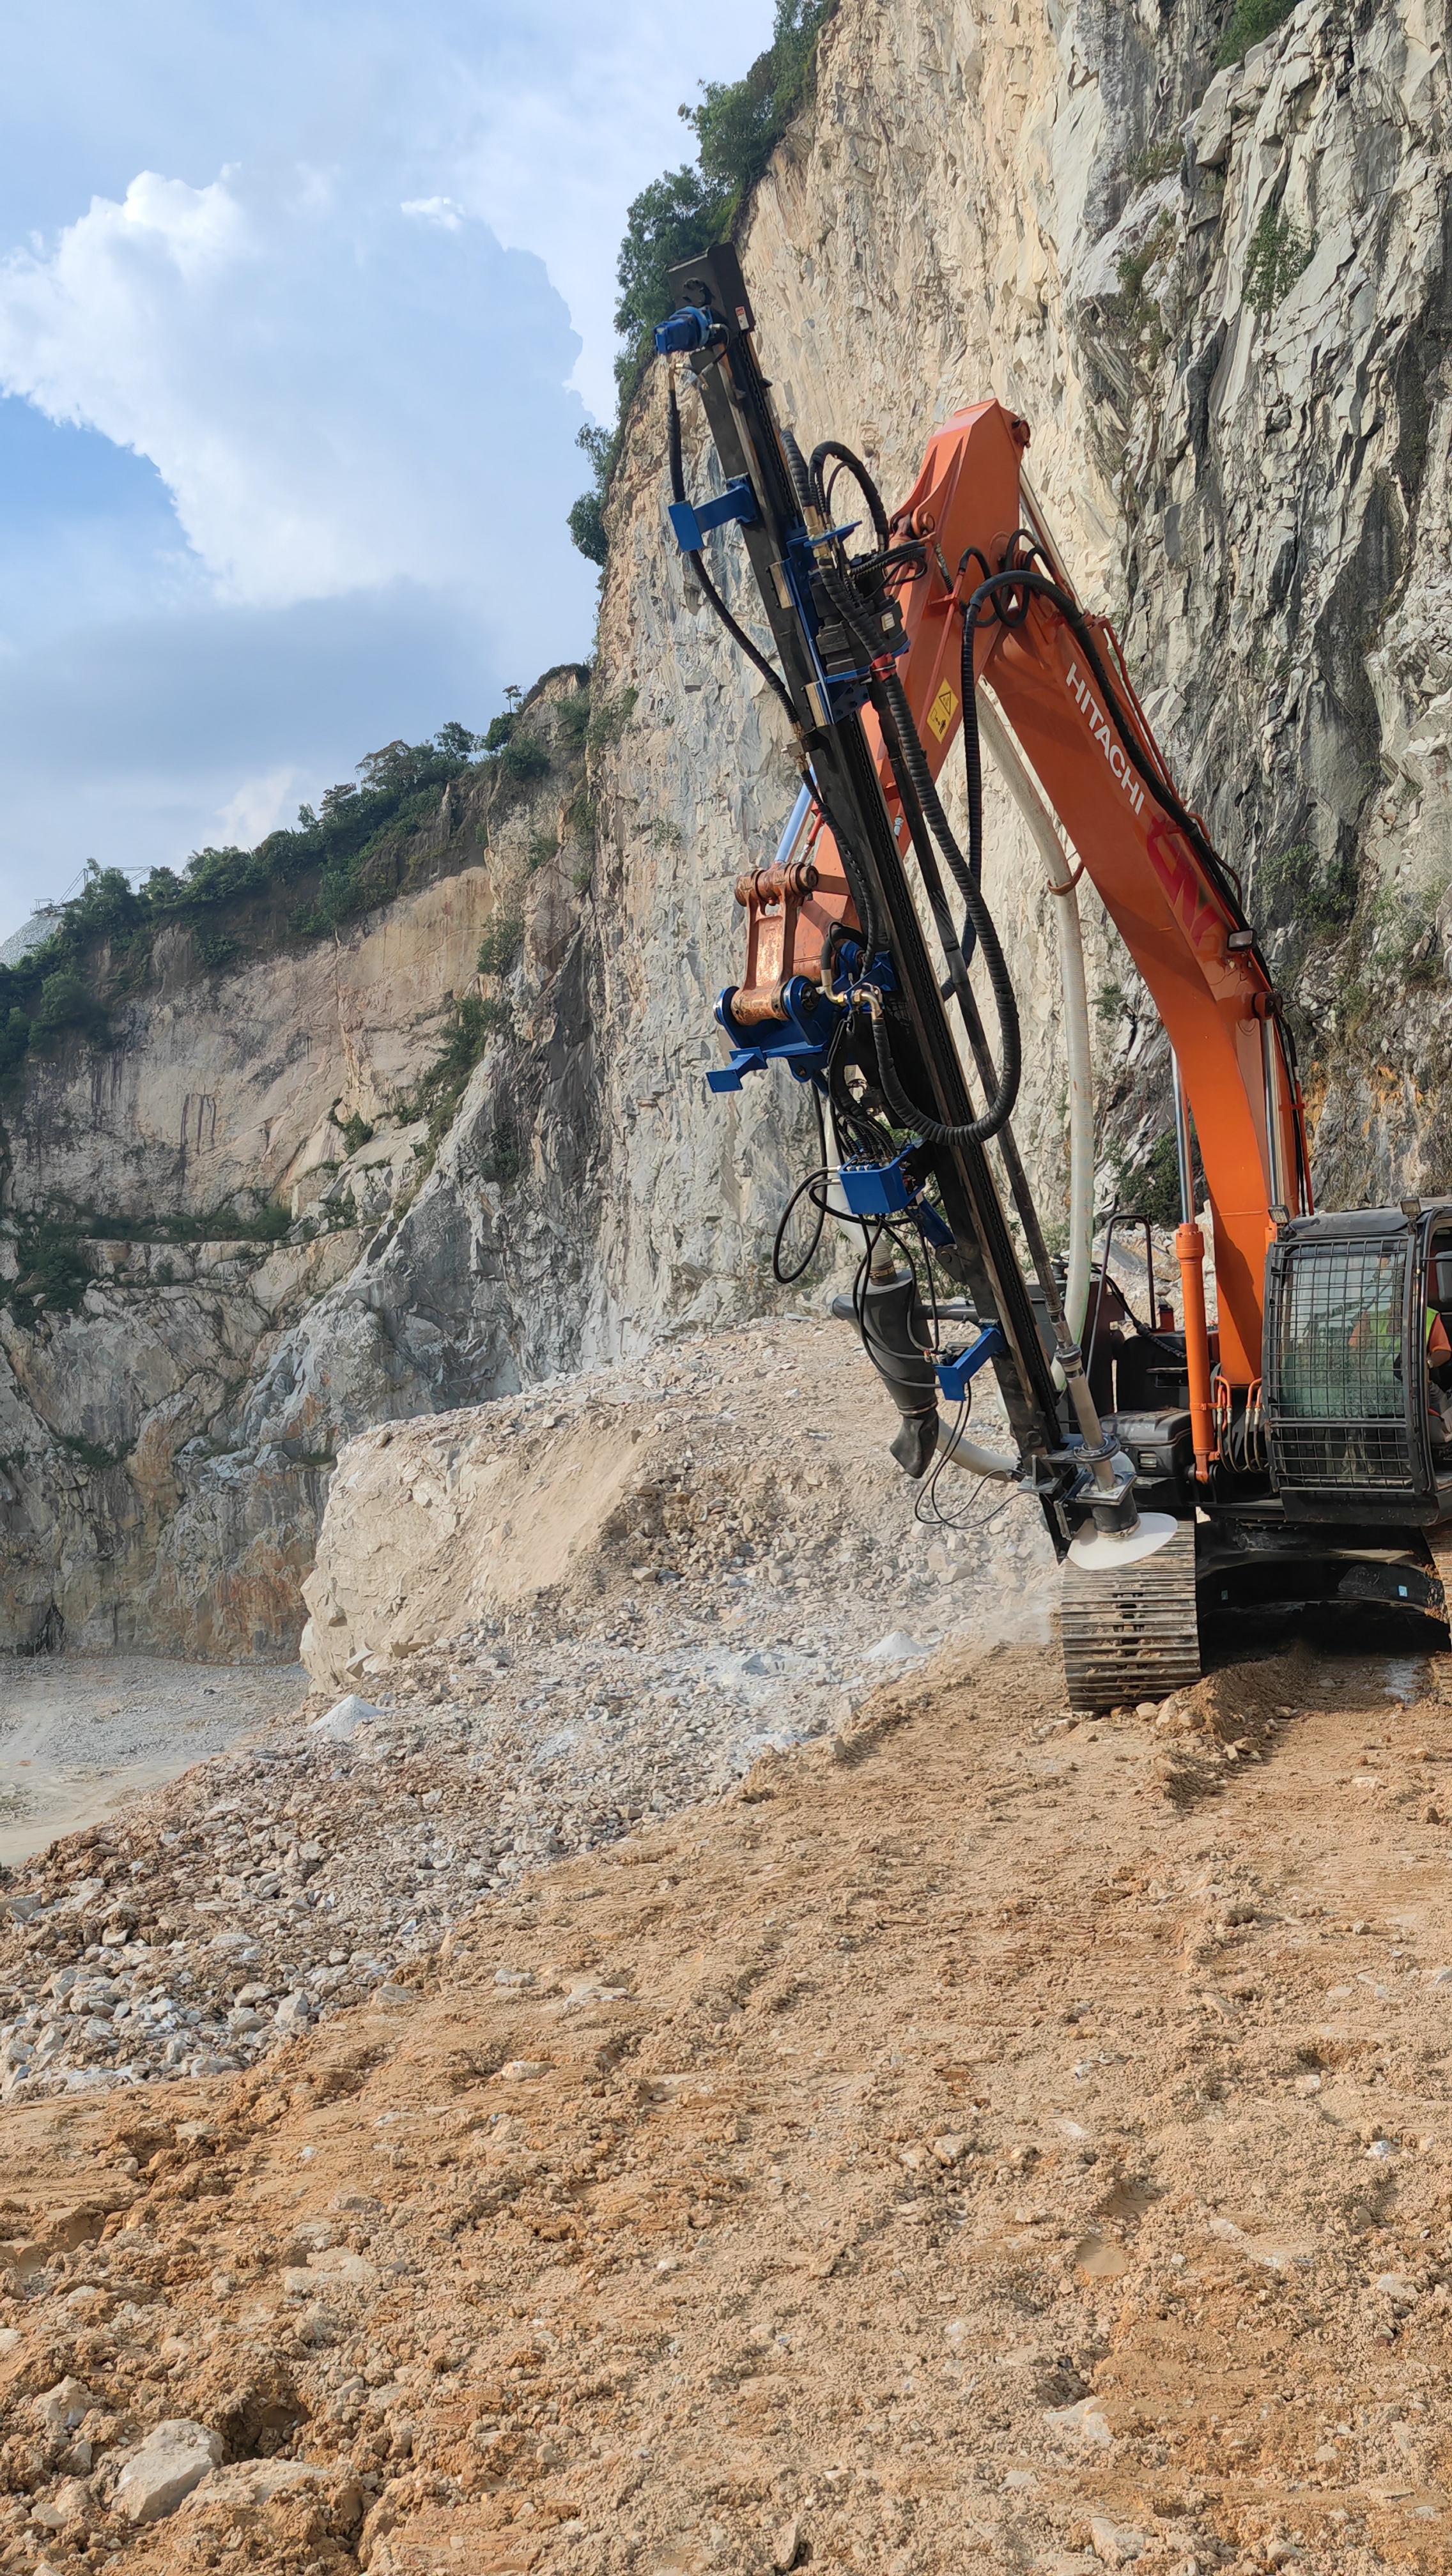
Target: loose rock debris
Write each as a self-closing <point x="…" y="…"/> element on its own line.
<point x="204" y="1924"/>
<point x="945" y="2149"/>
<point x="568" y="2119"/>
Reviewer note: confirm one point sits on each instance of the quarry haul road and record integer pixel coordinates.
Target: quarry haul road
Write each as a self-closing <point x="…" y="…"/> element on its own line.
<point x="975" y="2140"/>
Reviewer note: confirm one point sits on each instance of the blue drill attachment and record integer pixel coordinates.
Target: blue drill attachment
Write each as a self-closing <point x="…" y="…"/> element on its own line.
<point x="955" y="1372"/>
<point x="692" y="519"/>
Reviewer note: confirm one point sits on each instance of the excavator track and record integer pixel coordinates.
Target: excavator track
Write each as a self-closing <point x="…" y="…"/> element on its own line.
<point x="1135" y="1635"/>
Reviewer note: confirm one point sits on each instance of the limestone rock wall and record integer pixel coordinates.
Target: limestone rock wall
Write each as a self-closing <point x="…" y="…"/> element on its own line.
<point x="1222" y="302"/>
<point x="165" y="1451"/>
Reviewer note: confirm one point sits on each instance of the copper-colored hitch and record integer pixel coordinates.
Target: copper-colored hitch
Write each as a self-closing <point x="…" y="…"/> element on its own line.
<point x="790" y="905"/>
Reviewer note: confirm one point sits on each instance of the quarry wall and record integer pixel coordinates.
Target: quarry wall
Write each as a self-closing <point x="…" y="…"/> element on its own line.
<point x="1221" y="299"/>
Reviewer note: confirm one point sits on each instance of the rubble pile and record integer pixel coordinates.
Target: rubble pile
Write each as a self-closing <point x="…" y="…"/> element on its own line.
<point x="725" y="1612"/>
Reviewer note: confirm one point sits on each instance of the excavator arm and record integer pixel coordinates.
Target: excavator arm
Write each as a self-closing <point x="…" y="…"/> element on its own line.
<point x="1059" y="678"/>
<point x="1091" y="749"/>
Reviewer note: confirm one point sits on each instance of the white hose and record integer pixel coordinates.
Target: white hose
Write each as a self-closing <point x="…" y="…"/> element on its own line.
<point x="1023" y="789"/>
<point x="976" y="1461"/>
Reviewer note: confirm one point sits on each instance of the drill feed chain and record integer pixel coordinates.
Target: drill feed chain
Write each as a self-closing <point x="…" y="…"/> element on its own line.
<point x="1135" y="1635"/>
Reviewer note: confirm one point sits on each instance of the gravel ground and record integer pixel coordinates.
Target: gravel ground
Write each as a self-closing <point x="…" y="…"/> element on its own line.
<point x="193" y="1931"/>
<point x="80" y="1733"/>
<point x="977" y="2141"/>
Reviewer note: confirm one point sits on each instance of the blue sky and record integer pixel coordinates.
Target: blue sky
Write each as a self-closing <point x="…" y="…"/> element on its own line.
<point x="301" y="310"/>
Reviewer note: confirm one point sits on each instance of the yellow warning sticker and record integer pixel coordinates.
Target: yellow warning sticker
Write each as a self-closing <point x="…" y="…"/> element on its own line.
<point x="942" y="711"/>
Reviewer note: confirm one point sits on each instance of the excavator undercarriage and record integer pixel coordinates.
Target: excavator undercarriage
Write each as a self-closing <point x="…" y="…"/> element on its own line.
<point x="1298" y="1447"/>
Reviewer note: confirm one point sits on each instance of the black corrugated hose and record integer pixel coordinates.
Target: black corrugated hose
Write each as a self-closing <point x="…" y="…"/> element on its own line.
<point x="966" y="875"/>
<point x="999" y="1109"/>
<point x="737" y="633"/>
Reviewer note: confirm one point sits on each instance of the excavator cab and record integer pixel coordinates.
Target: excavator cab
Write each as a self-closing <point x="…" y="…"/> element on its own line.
<point x="1439" y="1350"/>
<point x="1358" y="1378"/>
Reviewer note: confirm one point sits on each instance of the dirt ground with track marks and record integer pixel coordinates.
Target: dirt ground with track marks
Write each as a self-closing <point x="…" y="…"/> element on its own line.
<point x="976" y="2140"/>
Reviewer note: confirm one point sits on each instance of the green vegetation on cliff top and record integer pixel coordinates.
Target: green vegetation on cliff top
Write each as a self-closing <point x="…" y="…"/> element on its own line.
<point x="1251" y="22"/>
<point x="342" y="860"/>
<point x="737" y="127"/>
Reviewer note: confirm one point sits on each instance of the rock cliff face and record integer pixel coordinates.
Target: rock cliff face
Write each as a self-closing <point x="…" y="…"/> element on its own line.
<point x="1222" y="302"/>
<point x="165" y="1447"/>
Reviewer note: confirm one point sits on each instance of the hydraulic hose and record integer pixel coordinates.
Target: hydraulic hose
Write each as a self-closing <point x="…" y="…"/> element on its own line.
<point x="908" y="747"/>
<point x="832" y="447"/>
<point x="965" y="875"/>
<point x="861" y="893"/>
<point x="800" y="472"/>
<point x="1025" y="580"/>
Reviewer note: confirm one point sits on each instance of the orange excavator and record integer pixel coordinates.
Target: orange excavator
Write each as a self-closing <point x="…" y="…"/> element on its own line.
<point x="1296" y="1448"/>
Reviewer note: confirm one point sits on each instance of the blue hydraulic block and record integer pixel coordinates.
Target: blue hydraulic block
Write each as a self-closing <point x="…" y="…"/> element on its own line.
<point x="894" y="1189"/>
<point x="850" y="969"/>
<point x="954" y="1374"/>
<point x="692" y="519"/>
<point x="689" y="328"/>
<point x="876" y="1189"/>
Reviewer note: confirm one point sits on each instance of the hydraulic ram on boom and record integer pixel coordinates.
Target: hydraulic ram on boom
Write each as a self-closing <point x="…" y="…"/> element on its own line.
<point x="881" y="649"/>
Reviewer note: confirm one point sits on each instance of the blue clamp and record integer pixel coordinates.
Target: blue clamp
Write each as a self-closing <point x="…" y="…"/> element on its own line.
<point x="688" y="328"/>
<point x="691" y="520"/>
<point x="953" y="1375"/>
<point x="802" y="1041"/>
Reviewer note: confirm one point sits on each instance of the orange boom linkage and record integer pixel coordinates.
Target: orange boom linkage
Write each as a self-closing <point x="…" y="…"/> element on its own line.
<point x="1302" y="1447"/>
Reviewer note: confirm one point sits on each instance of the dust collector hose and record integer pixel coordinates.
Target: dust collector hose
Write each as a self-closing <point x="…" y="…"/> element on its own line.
<point x="1016" y="777"/>
<point x="975" y="1461"/>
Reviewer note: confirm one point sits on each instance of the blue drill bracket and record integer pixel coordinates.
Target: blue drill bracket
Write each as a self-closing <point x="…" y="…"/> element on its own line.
<point x="955" y="1373"/>
<point x="691" y="520"/>
<point x="802" y="1041"/>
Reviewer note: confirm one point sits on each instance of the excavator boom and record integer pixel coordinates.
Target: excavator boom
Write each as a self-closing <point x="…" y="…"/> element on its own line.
<point x="1176" y="909"/>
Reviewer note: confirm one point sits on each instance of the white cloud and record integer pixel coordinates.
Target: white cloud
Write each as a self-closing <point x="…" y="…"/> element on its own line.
<point x="257" y="808"/>
<point x="353" y="396"/>
<point x="294" y="357"/>
<point x="435" y="210"/>
<point x="566" y="114"/>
